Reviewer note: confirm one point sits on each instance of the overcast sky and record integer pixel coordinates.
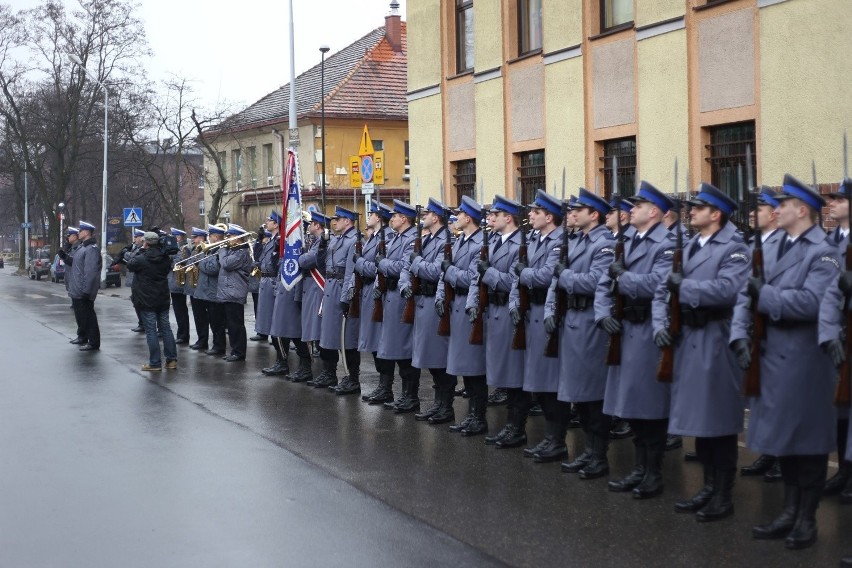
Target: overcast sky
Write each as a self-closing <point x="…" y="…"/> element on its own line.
<point x="238" y="51"/>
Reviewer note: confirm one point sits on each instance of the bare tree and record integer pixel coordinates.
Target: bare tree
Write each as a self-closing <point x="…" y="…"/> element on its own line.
<point x="213" y="133"/>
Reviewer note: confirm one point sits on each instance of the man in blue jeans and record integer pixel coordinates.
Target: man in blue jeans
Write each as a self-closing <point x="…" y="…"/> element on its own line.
<point x="150" y="291"/>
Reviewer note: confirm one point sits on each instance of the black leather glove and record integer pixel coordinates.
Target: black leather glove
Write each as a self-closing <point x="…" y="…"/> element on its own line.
<point x="519" y="267"/>
<point x="835" y="349"/>
<point x="406" y="292"/>
<point x="663" y="339"/>
<point x="482" y="266"/>
<point x="616" y="269"/>
<point x="439" y="308"/>
<point x="445" y="264"/>
<point x="515" y="315"/>
<point x="755" y="285"/>
<point x="845" y="282"/>
<point x="673" y="282"/>
<point x="558" y="270"/>
<point x="610" y="325"/>
<point x="344" y="308"/>
<point x="377" y="294"/>
<point x="472" y="313"/>
<point x="550" y="324"/>
<point x="261" y="232"/>
<point x="742" y="351"/>
<point x="62" y="254"/>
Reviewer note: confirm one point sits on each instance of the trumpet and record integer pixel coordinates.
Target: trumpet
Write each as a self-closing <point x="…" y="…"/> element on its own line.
<point x="206" y="248"/>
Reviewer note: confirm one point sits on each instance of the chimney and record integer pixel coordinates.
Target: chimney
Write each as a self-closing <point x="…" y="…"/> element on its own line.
<point x="393" y="27"/>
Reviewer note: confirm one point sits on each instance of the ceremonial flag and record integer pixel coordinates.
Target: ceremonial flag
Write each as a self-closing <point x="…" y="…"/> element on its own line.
<point x="291" y="242"/>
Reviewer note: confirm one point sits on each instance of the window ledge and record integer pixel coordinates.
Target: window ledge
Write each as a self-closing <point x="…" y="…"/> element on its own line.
<point x="527" y="55"/>
<point x="613" y="30"/>
<point x="710" y="4"/>
<point x="462" y="74"/>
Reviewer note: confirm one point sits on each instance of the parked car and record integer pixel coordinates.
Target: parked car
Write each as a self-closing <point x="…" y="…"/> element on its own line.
<point x="39" y="264"/>
<point x="57" y="269"/>
<point x="113" y="273"/>
<point x="2" y="263"/>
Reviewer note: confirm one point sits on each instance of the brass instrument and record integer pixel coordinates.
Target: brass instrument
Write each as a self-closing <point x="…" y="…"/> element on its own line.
<point x="193" y="275"/>
<point x="206" y="248"/>
<point x="181" y="278"/>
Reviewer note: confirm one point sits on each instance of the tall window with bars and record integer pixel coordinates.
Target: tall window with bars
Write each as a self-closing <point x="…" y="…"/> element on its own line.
<point x="464" y="35"/>
<point x="464" y="179"/>
<point x="726" y="154"/>
<point x="531" y="176"/>
<point x="624" y="149"/>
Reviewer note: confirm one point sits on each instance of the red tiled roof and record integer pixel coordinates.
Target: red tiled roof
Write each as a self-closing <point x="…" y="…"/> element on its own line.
<point x="366" y="79"/>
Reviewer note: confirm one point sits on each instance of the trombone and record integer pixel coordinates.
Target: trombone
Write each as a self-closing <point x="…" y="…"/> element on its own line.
<point x="206" y="248"/>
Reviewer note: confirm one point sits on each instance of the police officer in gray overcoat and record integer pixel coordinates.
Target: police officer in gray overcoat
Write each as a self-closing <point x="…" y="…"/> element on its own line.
<point x="370" y="331"/>
<point x="286" y="324"/>
<point x="504" y="366"/>
<point x="632" y="389"/>
<point x="794" y="418"/>
<point x="86" y="264"/>
<point x="464" y="358"/>
<point x="706" y="391"/>
<point x="396" y="339"/>
<point x="235" y="265"/>
<point x="582" y="345"/>
<point x="73" y="244"/>
<point x="208" y="289"/>
<point x="429" y="350"/>
<point x="541" y="374"/>
<point x="340" y="269"/>
<point x="269" y="280"/>
<point x="312" y="264"/>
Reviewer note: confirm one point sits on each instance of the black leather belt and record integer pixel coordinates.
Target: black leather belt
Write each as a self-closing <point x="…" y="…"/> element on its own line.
<point x="336" y="274"/>
<point x="580" y="302"/>
<point x="637" y="311"/>
<point x="538" y="296"/>
<point x="392" y="282"/>
<point x="700" y="317"/>
<point x="427" y="289"/>
<point x="269" y="274"/>
<point x="460" y="290"/>
<point x="498" y="298"/>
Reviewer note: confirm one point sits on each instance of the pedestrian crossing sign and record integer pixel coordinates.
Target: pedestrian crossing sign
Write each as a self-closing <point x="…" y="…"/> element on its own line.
<point x="132" y="216"/>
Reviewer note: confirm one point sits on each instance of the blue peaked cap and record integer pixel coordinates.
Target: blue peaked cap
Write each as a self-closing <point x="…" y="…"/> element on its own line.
<point x="506" y="205"/>
<point x="345" y="213"/>
<point x="793" y="188"/>
<point x="436" y="207"/>
<point x="196" y="232"/>
<point x="622" y="204"/>
<point x="651" y="194"/>
<point x="767" y="197"/>
<point x="274" y="216"/>
<point x="404" y="208"/>
<point x="546" y="202"/>
<point x="844" y="190"/>
<point x="214" y="230"/>
<point x="234" y="229"/>
<point x="471" y="207"/>
<point x="73" y="231"/>
<point x="85" y="226"/>
<point x="589" y="199"/>
<point x="178" y="232"/>
<point x="381" y="209"/>
<point x="711" y="195"/>
<point x="138" y="233"/>
<point x="318" y="217"/>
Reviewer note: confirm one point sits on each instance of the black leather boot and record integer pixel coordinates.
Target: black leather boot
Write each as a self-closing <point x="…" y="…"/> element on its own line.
<point x="673" y="442"/>
<point x="445" y="413"/>
<point x="510" y="414"/>
<point x="804" y="533"/>
<point x="556" y="448"/>
<point x="518" y="436"/>
<point x="721" y="505"/>
<point x="781" y="526"/>
<point x="303" y="374"/>
<point x="350" y="384"/>
<point x="411" y="399"/>
<point x="700" y="499"/>
<point x="385" y="390"/>
<point x="458" y="427"/>
<point x="403" y="392"/>
<point x="634" y="478"/>
<point x="478" y="425"/>
<point x="279" y="368"/>
<point x="774" y="473"/>
<point x="498" y="397"/>
<point x="598" y="466"/>
<point x="760" y="466"/>
<point x="652" y="483"/>
<point x="837" y="483"/>
<point x="436" y="405"/>
<point x="582" y="459"/>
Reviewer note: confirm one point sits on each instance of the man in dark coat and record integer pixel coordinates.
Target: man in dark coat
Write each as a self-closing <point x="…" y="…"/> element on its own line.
<point x="150" y="292"/>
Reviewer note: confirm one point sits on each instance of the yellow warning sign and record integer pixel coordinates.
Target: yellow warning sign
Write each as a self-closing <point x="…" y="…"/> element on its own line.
<point x="379" y="167"/>
<point x="366" y="143"/>
<point x="354" y="171"/>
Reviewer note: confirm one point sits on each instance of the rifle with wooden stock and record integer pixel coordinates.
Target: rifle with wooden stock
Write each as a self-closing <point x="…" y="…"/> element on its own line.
<point x="519" y="338"/>
<point x="561" y="307"/>
<point x="381" y="281"/>
<point x="449" y="292"/>
<point x="751" y="384"/>
<point x="843" y="393"/>
<point x="665" y="370"/>
<point x="410" y="303"/>
<point x="476" y="330"/>
<point x="358" y="285"/>
<point x="613" y="354"/>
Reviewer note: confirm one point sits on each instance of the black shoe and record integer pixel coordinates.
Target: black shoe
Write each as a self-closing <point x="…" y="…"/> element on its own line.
<point x="804" y="533"/>
<point x="673" y="442"/>
<point x="652" y="483"/>
<point x="506" y="431"/>
<point x="774" y="473"/>
<point x="628" y="482"/>
<point x="516" y="439"/>
<point x="530" y="452"/>
<point x="690" y="457"/>
<point x="700" y="499"/>
<point x="198" y="347"/>
<point x="78" y="341"/>
<point x="760" y="466"/>
<point x="597" y="467"/>
<point x="325" y="380"/>
<point x="391" y="404"/>
<point x="372" y="393"/>
<point x="721" y="505"/>
<point x="443" y="416"/>
<point x="348" y="386"/>
<point x="429" y="412"/>
<point x="463" y="424"/>
<point x="579" y="462"/>
<point x="258" y="337"/>
<point x="383" y="396"/>
<point x="138" y="329"/>
<point x="407" y="404"/>
<point x="498" y="397"/>
<point x="279" y="368"/>
<point x="477" y="427"/>
<point x="234" y="358"/>
<point x="554" y="451"/>
<point x="303" y="374"/>
<point x="535" y="410"/>
<point x="89" y="347"/>
<point x="215" y="352"/>
<point x="837" y="482"/>
<point x="620" y="429"/>
<point x="781" y="526"/>
<point x="181" y="341"/>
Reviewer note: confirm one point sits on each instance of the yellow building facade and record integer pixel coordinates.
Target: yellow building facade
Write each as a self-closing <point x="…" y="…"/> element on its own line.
<point x="507" y="95"/>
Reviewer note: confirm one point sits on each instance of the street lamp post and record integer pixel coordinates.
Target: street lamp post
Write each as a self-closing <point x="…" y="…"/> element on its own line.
<point x="61" y="223"/>
<point x="323" y="50"/>
<point x="26" y="223"/>
<point x="79" y="62"/>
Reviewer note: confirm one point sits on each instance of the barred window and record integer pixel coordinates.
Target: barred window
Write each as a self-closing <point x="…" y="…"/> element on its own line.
<point x="531" y="176"/>
<point x="624" y="149"/>
<point x="727" y="157"/>
<point x="465" y="179"/>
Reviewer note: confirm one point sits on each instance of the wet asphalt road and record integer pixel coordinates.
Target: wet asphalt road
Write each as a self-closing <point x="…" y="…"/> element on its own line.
<point x="216" y="465"/>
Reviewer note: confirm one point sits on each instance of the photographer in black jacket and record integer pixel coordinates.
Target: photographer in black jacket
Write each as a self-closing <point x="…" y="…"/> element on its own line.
<point x="150" y="292"/>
